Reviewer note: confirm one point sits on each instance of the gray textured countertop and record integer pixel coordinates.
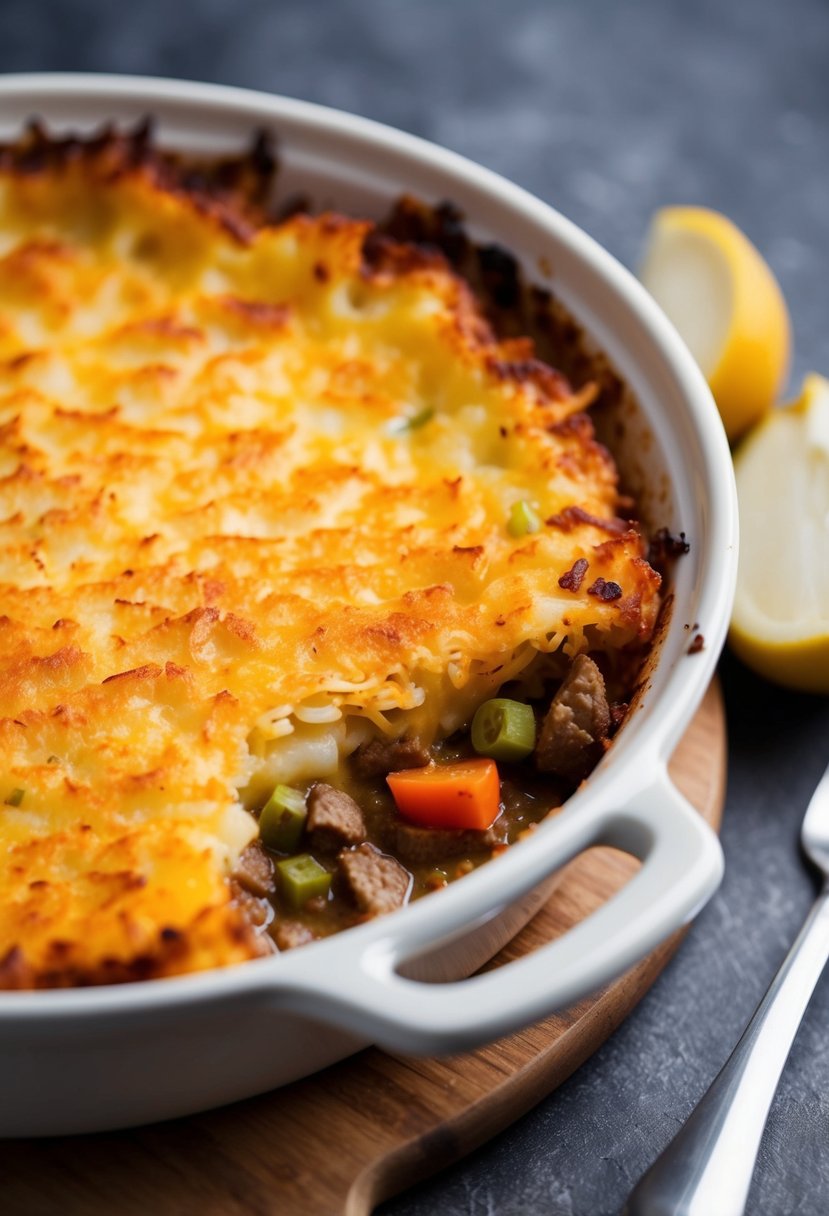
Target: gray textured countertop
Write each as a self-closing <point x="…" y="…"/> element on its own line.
<point x="606" y="110"/>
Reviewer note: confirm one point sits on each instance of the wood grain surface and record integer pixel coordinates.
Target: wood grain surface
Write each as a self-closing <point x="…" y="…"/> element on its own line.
<point x="339" y="1142"/>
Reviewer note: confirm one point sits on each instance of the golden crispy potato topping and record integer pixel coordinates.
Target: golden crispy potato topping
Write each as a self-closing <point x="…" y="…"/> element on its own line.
<point x="266" y="491"/>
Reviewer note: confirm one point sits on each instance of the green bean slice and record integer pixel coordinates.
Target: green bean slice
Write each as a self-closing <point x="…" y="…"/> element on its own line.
<point x="522" y="519"/>
<point x="282" y="819"/>
<point x="504" y="729"/>
<point x="403" y="426"/>
<point x="301" y="878"/>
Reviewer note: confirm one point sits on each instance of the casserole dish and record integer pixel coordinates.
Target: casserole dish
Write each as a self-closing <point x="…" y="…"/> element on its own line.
<point x="97" y="1058"/>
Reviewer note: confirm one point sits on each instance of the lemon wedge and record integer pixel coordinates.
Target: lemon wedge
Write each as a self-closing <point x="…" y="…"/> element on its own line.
<point x="726" y="304"/>
<point x="780" y="625"/>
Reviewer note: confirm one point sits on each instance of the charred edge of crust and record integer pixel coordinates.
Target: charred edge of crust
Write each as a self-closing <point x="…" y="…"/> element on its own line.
<point x="513" y="307"/>
<point x="236" y="192"/>
<point x="517" y="310"/>
<point x="233" y="190"/>
<point x="415" y="237"/>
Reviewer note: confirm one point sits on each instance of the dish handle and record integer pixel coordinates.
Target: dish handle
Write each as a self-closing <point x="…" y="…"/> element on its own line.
<point x="682" y="865"/>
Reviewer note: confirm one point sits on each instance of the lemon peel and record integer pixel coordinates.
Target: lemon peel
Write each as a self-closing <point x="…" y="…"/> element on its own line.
<point x="727" y="305"/>
<point x="780" y="624"/>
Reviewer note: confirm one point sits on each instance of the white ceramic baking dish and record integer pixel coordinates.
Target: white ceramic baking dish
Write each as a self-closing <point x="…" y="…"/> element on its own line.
<point x="99" y="1058"/>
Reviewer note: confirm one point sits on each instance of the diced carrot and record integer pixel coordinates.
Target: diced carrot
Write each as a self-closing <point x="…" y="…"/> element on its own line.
<point x="464" y="795"/>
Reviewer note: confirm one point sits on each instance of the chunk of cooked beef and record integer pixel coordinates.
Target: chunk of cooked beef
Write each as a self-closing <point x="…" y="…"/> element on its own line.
<point x="290" y="933"/>
<point x="375" y="882"/>
<point x="334" y="819"/>
<point x="576" y="725"/>
<point x="426" y="845"/>
<point x="254" y="870"/>
<point x="257" y="908"/>
<point x="382" y="756"/>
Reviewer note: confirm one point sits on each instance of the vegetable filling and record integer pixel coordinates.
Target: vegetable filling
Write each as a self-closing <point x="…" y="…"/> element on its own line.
<point x="401" y="819"/>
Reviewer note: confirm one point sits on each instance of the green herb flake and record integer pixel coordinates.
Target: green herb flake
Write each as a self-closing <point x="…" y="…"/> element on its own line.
<point x="522" y="519"/>
<point x="403" y="426"/>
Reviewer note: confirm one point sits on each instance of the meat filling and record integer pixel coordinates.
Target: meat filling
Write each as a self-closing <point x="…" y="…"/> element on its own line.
<point x="257" y="908"/>
<point x="254" y="871"/>
<point x="290" y="933"/>
<point x="334" y="819"/>
<point x="383" y="756"/>
<point x="576" y="725"/>
<point x="366" y="852"/>
<point x="432" y="845"/>
<point x="373" y="881"/>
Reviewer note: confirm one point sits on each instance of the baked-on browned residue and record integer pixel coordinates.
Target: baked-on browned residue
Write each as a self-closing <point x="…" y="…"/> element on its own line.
<point x="248" y="469"/>
<point x="573" y="578"/>
<point x="664" y="547"/>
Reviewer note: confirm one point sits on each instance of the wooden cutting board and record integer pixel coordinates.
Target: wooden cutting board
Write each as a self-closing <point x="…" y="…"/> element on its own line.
<point x="338" y="1143"/>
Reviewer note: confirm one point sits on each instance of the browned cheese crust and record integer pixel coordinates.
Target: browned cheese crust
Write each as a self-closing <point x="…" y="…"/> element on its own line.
<point x="255" y="482"/>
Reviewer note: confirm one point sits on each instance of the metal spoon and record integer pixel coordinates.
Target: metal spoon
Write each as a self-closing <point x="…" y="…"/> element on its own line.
<point x="706" y="1169"/>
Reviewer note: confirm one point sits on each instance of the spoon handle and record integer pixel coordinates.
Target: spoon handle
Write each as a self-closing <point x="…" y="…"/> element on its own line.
<point x="706" y="1169"/>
